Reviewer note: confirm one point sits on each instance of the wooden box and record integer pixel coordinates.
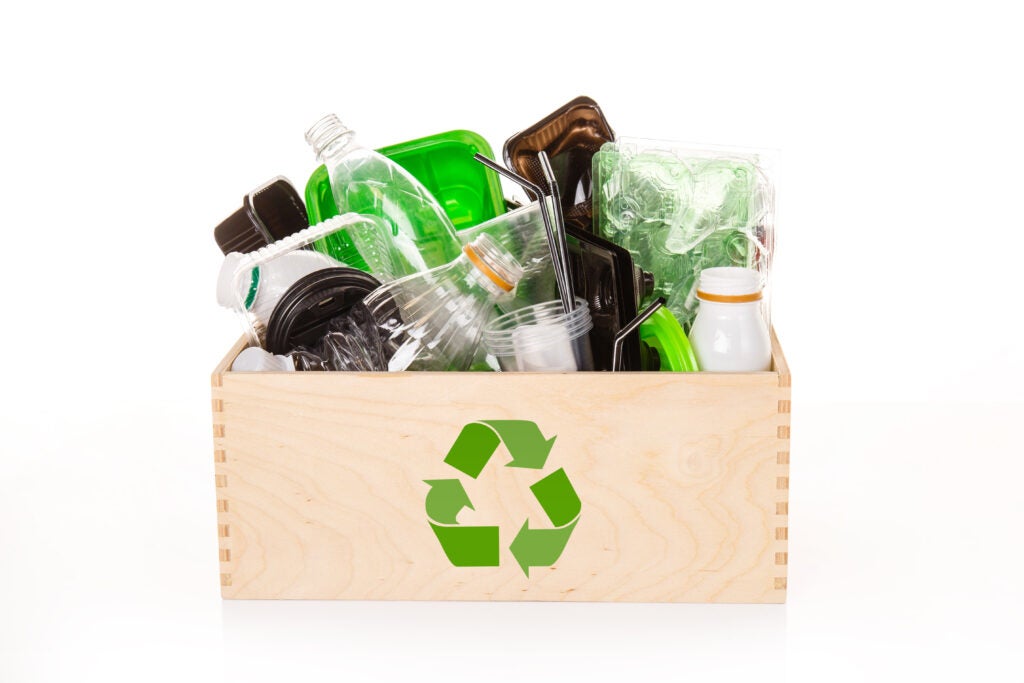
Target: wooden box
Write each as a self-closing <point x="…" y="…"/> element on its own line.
<point x="658" y="486"/>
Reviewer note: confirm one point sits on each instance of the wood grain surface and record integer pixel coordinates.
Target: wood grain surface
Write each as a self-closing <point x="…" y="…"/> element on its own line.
<point x="683" y="479"/>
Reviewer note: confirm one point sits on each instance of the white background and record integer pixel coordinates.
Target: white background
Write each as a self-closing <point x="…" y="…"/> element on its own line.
<point x="130" y="130"/>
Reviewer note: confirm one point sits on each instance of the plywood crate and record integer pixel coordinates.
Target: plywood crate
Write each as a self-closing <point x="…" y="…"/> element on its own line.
<point x="682" y="483"/>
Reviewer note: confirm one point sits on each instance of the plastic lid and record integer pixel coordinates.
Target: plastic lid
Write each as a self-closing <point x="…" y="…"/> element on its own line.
<point x="570" y="136"/>
<point x="664" y="338"/>
<point x="302" y="315"/>
<point x="270" y="212"/>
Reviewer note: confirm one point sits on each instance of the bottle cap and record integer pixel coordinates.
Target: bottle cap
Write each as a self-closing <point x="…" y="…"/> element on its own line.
<point x="269" y="213"/>
<point x="303" y="313"/>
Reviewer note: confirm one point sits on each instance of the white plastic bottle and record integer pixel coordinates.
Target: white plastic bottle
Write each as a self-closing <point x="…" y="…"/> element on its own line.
<point x="729" y="333"/>
<point x="259" y="289"/>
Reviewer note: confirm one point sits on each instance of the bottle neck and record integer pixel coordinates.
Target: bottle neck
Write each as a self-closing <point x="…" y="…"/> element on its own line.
<point x="490" y="266"/>
<point x="330" y="138"/>
<point x="731" y="308"/>
<point x="478" y="279"/>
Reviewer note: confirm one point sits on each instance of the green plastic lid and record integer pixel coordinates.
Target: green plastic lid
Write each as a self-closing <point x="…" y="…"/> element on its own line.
<point x="669" y="349"/>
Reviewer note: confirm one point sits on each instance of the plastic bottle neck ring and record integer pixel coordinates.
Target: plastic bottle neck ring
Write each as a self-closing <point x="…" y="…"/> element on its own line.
<point x="729" y="298"/>
<point x="482" y="266"/>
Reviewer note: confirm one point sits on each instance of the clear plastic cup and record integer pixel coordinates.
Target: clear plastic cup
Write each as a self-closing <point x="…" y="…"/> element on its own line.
<point x="542" y="338"/>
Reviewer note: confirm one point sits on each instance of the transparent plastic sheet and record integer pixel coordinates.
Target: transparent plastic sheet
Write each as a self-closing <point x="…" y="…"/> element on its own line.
<point x="253" y="284"/>
<point x="680" y="208"/>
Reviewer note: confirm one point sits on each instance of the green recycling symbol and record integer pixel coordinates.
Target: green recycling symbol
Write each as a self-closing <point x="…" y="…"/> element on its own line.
<point x="479" y="546"/>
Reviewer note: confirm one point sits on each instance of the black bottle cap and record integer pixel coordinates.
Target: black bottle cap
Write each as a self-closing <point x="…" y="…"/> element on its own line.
<point x="271" y="212"/>
<point x="302" y="315"/>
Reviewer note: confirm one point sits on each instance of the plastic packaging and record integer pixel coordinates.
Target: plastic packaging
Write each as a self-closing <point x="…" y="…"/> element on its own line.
<point x="521" y="233"/>
<point x="271" y="212"/>
<point x="665" y="346"/>
<point x="469" y="193"/>
<point x="604" y="275"/>
<point x="433" y="321"/>
<point x="729" y="334"/>
<point x="570" y="136"/>
<point x="542" y="338"/>
<point x="266" y="283"/>
<point x="680" y="210"/>
<point x="366" y="182"/>
<point x="253" y="284"/>
<point x="255" y="359"/>
<point x="352" y="343"/>
<point x="306" y="310"/>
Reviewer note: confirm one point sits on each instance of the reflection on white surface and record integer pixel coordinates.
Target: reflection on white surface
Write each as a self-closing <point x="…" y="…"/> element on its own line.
<point x="509" y="641"/>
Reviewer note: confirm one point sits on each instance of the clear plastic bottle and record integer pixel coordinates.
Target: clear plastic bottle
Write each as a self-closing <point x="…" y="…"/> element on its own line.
<point x="366" y="182"/>
<point x="434" y="320"/>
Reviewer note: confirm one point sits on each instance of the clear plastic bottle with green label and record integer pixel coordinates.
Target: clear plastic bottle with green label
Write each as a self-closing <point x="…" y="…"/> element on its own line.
<point x="366" y="182"/>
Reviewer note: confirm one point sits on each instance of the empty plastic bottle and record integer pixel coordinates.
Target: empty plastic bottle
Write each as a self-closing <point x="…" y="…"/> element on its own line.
<point x="434" y="320"/>
<point x="366" y="182"/>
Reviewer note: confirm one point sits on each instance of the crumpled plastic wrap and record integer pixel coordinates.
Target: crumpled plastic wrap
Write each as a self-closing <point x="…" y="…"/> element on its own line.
<point x="351" y="343"/>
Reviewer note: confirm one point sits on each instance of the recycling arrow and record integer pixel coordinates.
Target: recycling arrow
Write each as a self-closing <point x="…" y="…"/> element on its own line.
<point x="469" y="546"/>
<point x="446" y="499"/>
<point x="479" y="546"/>
<point x="543" y="547"/>
<point x="540" y="547"/>
<point x="478" y="440"/>
<point x="524" y="442"/>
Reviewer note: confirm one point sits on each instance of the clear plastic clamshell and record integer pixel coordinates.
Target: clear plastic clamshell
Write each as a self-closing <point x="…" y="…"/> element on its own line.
<point x="680" y="209"/>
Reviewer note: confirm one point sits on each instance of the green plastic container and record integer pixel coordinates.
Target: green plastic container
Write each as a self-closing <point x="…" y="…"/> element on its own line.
<point x="469" y="192"/>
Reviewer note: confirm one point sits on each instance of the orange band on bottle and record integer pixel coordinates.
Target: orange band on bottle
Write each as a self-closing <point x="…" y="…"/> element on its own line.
<point x="485" y="269"/>
<point x="729" y="298"/>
